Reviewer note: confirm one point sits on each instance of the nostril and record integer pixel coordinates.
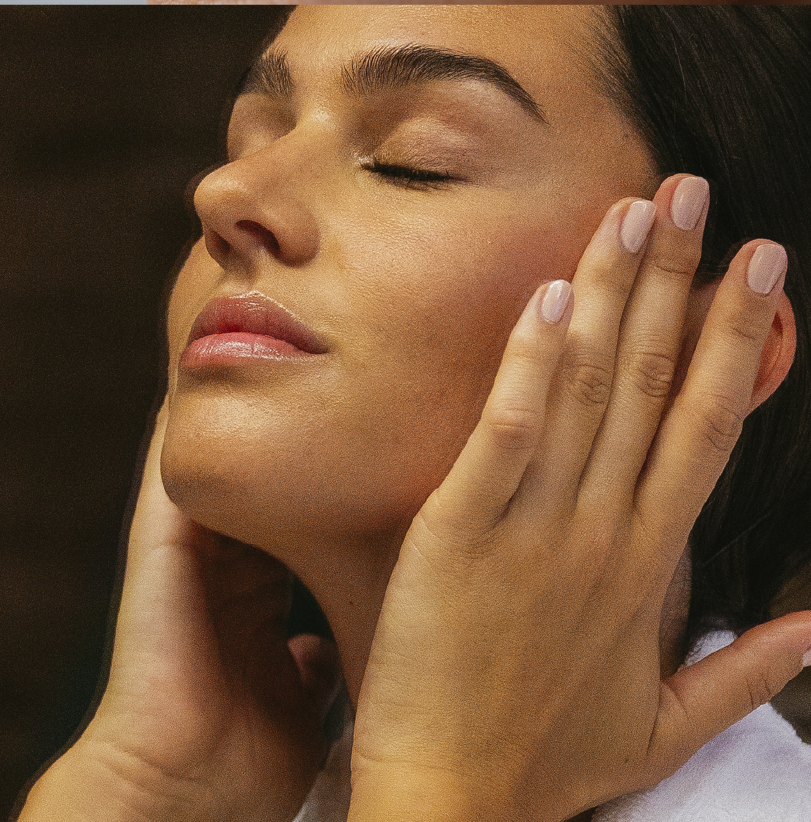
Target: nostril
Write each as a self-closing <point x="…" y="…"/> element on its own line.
<point x="217" y="245"/>
<point x="261" y="235"/>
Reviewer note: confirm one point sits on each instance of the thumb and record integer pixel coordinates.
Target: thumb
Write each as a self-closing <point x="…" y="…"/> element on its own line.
<point x="704" y="699"/>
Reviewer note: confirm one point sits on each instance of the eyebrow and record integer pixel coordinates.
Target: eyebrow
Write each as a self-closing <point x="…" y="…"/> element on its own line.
<point x="394" y="68"/>
<point x="269" y="75"/>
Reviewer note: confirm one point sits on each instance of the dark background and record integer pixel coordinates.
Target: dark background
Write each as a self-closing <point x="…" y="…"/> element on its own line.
<point x="106" y="114"/>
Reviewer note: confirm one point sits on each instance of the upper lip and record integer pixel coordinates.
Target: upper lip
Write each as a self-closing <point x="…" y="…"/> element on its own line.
<point x="255" y="313"/>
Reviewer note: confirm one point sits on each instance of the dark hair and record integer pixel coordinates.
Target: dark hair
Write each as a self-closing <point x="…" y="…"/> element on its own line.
<point x="723" y="92"/>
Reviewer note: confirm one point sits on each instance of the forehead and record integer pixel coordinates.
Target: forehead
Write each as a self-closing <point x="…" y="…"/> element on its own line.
<point x="543" y="47"/>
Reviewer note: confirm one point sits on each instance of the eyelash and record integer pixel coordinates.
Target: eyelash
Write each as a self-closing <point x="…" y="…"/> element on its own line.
<point x="407" y="177"/>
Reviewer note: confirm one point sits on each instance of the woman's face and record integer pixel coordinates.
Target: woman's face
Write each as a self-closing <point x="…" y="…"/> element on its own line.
<point x="404" y="208"/>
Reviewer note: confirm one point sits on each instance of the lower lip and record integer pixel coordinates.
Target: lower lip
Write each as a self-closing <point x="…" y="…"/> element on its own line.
<point x="237" y="348"/>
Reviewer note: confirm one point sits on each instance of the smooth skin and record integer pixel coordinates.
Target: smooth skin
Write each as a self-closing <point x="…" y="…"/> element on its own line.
<point x="522" y="663"/>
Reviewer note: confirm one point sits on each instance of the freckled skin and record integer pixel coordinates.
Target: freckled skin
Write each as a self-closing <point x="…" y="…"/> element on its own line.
<point x="415" y="290"/>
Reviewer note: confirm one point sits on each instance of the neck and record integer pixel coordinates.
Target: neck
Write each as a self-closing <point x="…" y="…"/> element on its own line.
<point x="350" y="591"/>
<point x="348" y="580"/>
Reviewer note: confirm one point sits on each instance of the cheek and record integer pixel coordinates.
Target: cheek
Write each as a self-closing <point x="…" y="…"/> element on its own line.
<point x="421" y="310"/>
<point x="447" y="292"/>
<point x="436" y="306"/>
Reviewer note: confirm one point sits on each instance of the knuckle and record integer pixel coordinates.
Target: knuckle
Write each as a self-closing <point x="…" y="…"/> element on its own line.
<point x="676" y="263"/>
<point x="652" y="372"/>
<point x="611" y="284"/>
<point x="719" y="424"/>
<point x="744" y="332"/>
<point x="514" y="428"/>
<point x="525" y="356"/>
<point x="439" y="524"/>
<point x="760" y="689"/>
<point x="589" y="382"/>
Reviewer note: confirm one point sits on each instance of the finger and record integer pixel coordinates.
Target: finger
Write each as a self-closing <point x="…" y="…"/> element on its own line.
<point x="158" y="554"/>
<point x="650" y="339"/>
<point x="162" y="614"/>
<point x="604" y="278"/>
<point x="478" y="489"/>
<point x="702" y="700"/>
<point x="192" y="604"/>
<point x="157" y="521"/>
<point x="701" y="428"/>
<point x="189" y="591"/>
<point x="161" y="535"/>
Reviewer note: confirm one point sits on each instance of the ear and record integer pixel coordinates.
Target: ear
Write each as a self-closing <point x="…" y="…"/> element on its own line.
<point x="778" y="353"/>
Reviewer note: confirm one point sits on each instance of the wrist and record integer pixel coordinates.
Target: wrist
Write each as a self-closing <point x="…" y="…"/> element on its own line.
<point x="404" y="795"/>
<point x="407" y="795"/>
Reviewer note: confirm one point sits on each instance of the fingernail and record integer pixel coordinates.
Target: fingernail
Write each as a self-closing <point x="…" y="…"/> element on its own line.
<point x="766" y="267"/>
<point x="636" y="225"/>
<point x="807" y="658"/>
<point x="555" y="301"/>
<point x="688" y="202"/>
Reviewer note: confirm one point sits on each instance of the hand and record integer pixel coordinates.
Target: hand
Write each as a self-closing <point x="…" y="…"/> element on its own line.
<point x="210" y="712"/>
<point x="515" y="671"/>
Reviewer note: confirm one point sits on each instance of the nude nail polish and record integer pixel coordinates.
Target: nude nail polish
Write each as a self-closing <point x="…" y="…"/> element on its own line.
<point x="688" y="202"/>
<point x="554" y="302"/>
<point x="766" y="267"/>
<point x="636" y="225"/>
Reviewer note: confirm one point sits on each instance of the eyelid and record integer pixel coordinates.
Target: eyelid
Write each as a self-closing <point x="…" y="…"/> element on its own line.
<point x="408" y="176"/>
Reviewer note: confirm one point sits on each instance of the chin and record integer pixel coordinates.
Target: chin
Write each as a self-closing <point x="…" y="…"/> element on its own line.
<point x="284" y="490"/>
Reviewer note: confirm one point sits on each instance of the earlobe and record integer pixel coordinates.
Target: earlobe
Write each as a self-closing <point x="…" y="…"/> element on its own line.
<point x="777" y="355"/>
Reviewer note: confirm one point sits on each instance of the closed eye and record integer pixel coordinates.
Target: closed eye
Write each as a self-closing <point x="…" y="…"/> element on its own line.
<point x="408" y="177"/>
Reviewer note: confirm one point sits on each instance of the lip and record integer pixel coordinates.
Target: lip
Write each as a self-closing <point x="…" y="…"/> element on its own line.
<point x="251" y="326"/>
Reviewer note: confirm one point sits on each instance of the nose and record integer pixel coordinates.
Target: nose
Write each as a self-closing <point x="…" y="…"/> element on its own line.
<point x="252" y="208"/>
